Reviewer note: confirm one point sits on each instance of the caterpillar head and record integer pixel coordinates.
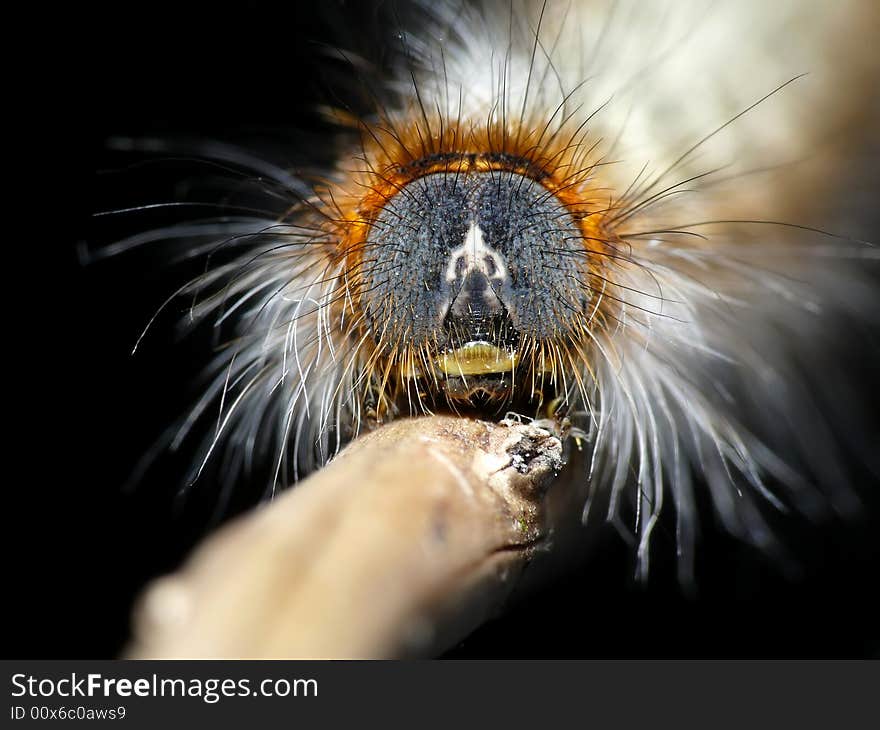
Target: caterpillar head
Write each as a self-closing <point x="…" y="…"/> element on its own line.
<point x="479" y="273"/>
<point x="470" y="277"/>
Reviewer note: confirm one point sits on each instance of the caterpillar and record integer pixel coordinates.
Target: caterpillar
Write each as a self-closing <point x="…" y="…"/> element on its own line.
<point x="628" y="216"/>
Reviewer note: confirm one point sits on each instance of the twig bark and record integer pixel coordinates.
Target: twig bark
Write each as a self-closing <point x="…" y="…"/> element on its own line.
<point x="413" y="536"/>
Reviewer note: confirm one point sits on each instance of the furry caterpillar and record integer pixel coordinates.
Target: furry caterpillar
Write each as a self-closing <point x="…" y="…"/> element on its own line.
<point x="611" y="212"/>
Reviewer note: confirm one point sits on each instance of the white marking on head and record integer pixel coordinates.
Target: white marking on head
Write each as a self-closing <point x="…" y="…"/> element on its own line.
<point x="477" y="256"/>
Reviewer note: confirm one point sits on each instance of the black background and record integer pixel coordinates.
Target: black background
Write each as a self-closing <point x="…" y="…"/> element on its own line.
<point x="79" y="548"/>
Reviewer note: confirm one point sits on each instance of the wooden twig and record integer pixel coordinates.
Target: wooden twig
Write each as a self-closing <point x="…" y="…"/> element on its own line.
<point x="413" y="536"/>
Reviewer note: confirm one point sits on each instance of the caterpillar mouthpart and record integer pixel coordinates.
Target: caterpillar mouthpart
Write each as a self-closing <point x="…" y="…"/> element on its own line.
<point x="477" y="358"/>
<point x="479" y="375"/>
